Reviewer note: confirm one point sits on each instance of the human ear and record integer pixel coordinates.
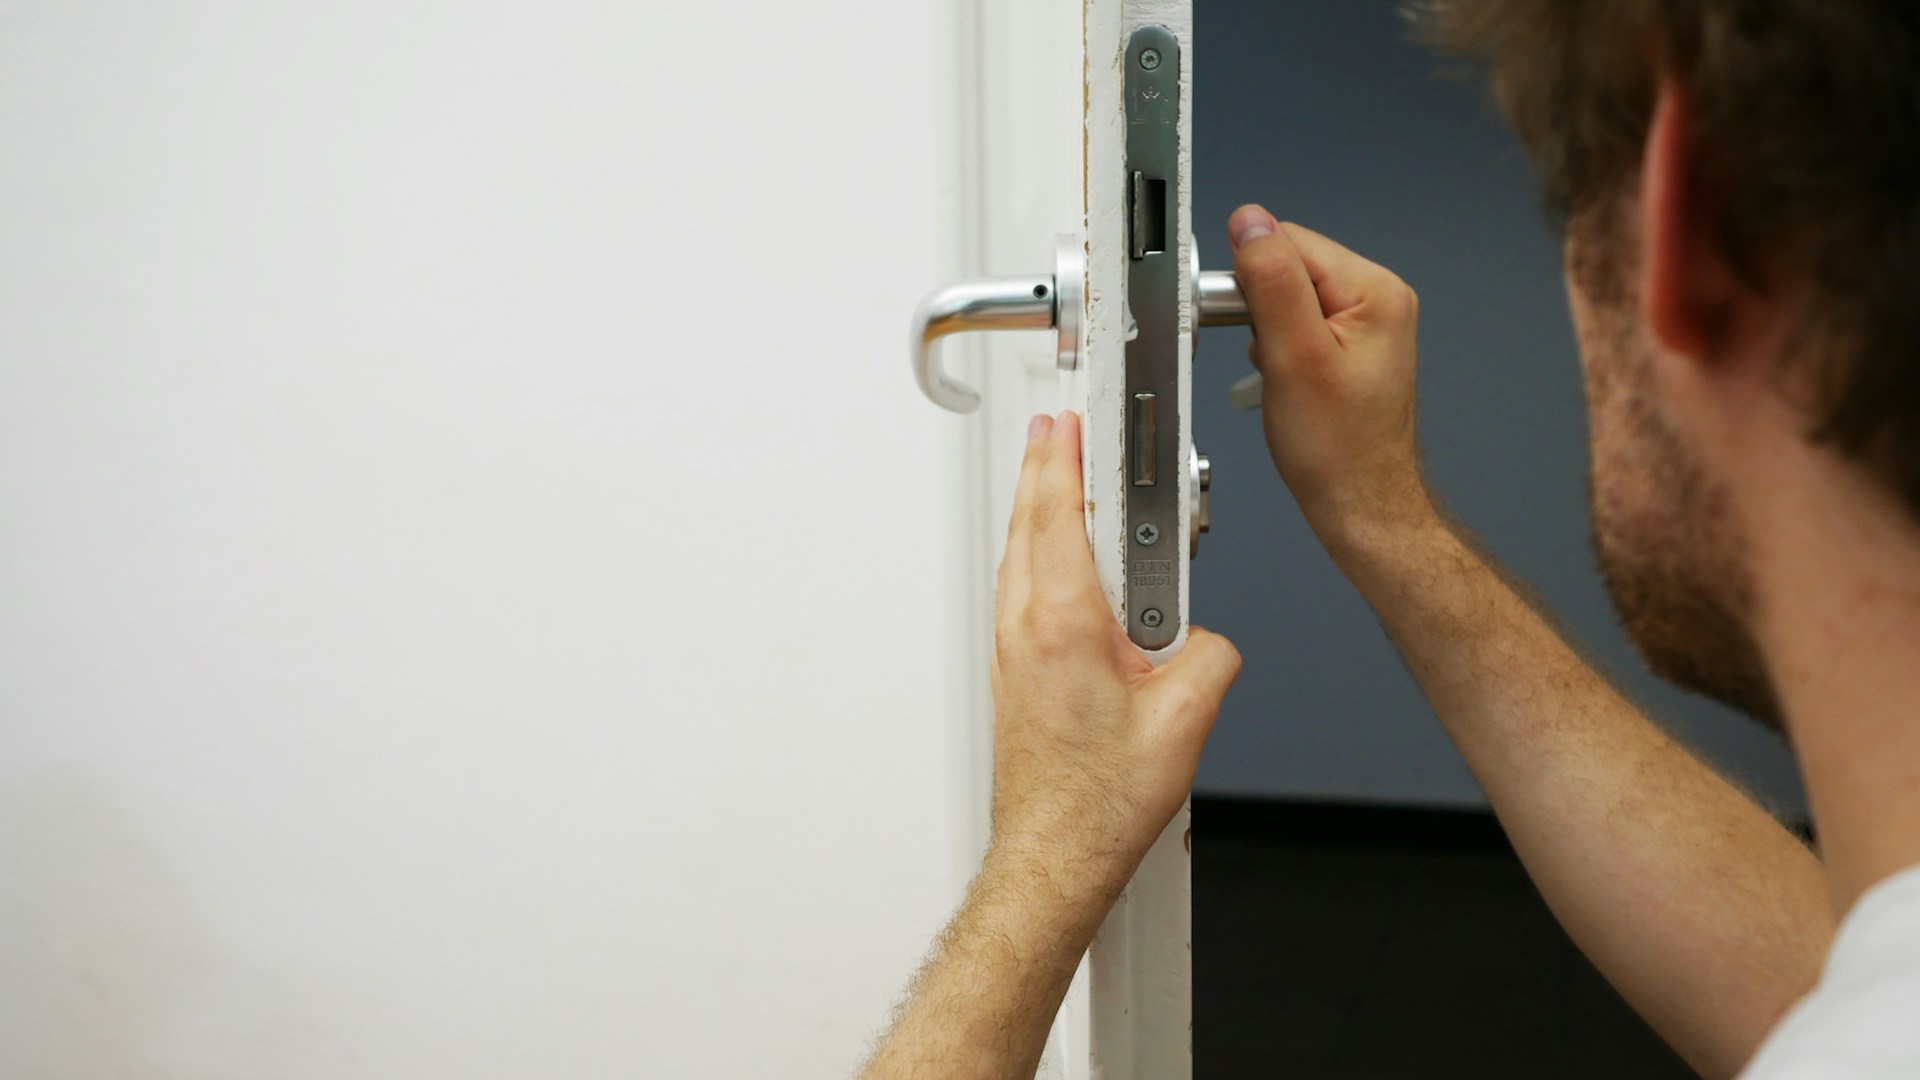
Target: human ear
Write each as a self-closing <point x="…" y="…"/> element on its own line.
<point x="1688" y="287"/>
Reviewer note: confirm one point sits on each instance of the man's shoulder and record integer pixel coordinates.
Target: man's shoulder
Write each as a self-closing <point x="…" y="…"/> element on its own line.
<point x="1862" y="1022"/>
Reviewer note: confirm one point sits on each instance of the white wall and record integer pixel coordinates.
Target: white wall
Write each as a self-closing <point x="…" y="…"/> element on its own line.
<point x="479" y="593"/>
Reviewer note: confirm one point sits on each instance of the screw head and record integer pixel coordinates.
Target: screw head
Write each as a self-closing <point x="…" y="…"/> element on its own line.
<point x="1148" y="533"/>
<point x="1150" y="59"/>
<point x="1151" y="618"/>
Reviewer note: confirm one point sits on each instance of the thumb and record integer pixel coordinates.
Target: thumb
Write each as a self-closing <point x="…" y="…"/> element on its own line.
<point x="1278" y="284"/>
<point x="1188" y="689"/>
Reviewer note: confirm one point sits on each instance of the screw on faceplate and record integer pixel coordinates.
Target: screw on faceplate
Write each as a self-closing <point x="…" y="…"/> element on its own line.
<point x="1147" y="533"/>
<point x="1150" y="59"/>
<point x="1151" y="618"/>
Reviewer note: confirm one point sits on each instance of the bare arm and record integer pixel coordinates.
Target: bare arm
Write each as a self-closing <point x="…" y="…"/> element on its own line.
<point x="983" y="1003"/>
<point x="1706" y="914"/>
<point x="1094" y="750"/>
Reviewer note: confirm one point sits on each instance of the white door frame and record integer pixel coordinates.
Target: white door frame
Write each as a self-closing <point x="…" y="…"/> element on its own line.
<point x="1010" y="152"/>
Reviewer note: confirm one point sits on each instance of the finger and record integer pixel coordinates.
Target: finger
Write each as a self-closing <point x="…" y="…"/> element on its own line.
<point x="1017" y="564"/>
<point x="1062" y="556"/>
<point x="1343" y="279"/>
<point x="1279" y="287"/>
<point x="1191" y="685"/>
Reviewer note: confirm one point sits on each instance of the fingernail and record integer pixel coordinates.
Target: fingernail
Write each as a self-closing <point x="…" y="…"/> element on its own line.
<point x="1039" y="424"/>
<point x="1250" y="227"/>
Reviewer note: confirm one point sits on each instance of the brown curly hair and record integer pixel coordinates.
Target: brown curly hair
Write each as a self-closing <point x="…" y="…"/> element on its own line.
<point x="1804" y="119"/>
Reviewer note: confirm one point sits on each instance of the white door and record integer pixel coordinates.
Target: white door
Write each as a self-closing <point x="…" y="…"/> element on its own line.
<point x="480" y="595"/>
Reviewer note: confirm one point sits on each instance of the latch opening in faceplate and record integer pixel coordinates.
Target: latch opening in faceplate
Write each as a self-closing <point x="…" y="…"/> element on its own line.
<point x="1149" y="231"/>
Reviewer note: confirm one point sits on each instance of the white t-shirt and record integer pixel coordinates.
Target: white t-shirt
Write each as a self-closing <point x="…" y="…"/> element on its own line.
<point x="1862" y="1022"/>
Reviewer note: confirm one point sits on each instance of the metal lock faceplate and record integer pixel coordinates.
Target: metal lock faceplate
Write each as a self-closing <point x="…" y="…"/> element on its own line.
<point x="1155" y="468"/>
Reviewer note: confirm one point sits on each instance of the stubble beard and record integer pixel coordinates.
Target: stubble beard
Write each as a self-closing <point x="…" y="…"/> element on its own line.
<point x="1670" y="546"/>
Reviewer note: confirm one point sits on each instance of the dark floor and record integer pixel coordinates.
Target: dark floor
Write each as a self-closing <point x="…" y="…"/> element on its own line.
<point x="1364" y="944"/>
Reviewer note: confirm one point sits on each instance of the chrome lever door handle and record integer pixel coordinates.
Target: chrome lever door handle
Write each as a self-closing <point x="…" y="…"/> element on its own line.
<point x="1007" y="303"/>
<point x="1004" y="303"/>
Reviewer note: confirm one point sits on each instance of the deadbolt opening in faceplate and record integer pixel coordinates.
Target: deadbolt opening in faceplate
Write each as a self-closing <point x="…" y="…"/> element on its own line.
<point x="1148" y="228"/>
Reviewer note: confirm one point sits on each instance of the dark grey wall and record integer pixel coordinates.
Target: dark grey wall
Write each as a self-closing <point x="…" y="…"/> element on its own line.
<point x="1333" y="116"/>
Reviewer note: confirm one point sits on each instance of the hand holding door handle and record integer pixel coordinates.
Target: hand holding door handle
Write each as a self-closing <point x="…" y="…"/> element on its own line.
<point x="1039" y="303"/>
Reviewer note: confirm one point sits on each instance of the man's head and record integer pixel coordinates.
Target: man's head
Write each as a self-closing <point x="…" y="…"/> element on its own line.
<point x="1740" y="182"/>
